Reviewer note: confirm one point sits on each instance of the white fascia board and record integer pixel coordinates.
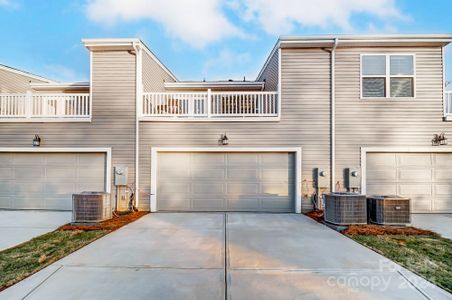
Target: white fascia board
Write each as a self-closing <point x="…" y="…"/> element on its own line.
<point x="202" y="84"/>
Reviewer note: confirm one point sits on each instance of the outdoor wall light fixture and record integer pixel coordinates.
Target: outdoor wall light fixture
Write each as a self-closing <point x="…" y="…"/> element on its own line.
<point x="36" y="141"/>
<point x="223" y="140"/>
<point x="439" y="139"/>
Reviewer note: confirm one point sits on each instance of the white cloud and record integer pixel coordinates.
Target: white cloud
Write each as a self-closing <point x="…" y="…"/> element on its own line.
<point x="62" y="73"/>
<point x="223" y="66"/>
<point x="195" y="22"/>
<point x="4" y="2"/>
<point x="282" y="16"/>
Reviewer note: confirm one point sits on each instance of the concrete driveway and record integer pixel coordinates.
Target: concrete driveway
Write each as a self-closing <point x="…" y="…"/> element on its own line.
<point x="218" y="256"/>
<point x="18" y="226"/>
<point x="439" y="223"/>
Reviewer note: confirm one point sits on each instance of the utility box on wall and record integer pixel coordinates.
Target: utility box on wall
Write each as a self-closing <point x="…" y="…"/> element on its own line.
<point x="352" y="179"/>
<point x="121" y="175"/>
<point x="321" y="178"/>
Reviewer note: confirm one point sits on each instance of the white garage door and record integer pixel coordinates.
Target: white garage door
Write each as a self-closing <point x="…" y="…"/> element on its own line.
<point x="424" y="177"/>
<point x="48" y="180"/>
<point x="225" y="181"/>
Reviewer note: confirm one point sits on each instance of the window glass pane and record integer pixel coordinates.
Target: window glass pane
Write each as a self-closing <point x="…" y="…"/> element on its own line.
<point x="402" y="65"/>
<point x="374" y="65"/>
<point x="402" y="87"/>
<point x="374" y="87"/>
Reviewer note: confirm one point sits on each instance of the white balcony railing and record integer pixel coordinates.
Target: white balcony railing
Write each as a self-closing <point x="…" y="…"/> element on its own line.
<point x="448" y="104"/>
<point x="39" y="107"/>
<point x="210" y="105"/>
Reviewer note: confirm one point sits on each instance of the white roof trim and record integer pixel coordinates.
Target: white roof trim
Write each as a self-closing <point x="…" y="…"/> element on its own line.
<point x="24" y="73"/>
<point x="329" y="41"/>
<point x="125" y="44"/>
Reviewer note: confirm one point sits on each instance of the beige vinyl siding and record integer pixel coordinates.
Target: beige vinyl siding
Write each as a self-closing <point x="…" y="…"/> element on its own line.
<point x="11" y="82"/>
<point x="153" y="75"/>
<point x="113" y="120"/>
<point x="271" y="73"/>
<point x="386" y="122"/>
<point x="304" y="123"/>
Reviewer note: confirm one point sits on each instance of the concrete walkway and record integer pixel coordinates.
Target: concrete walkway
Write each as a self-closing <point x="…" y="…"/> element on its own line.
<point x="18" y="226"/>
<point x="216" y="255"/>
<point x="439" y="223"/>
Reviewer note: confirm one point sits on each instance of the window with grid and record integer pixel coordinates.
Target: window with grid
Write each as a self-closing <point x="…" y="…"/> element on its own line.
<point x="387" y="75"/>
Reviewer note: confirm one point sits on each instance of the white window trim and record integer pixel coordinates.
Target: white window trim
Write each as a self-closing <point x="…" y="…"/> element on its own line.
<point x="156" y="150"/>
<point x="107" y="152"/>
<point x="387" y="76"/>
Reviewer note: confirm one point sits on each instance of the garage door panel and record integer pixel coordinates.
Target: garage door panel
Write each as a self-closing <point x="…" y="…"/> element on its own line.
<point x="208" y="188"/>
<point x="230" y="181"/>
<point x="443" y="160"/>
<point x="381" y="188"/>
<point x="61" y="160"/>
<point x="381" y="159"/>
<point x="60" y="188"/>
<point x="89" y="186"/>
<point x="6" y="173"/>
<point x="30" y="159"/>
<point x="242" y="160"/>
<point x="415" y="189"/>
<point x="443" y="189"/>
<point x="416" y="174"/>
<point x="276" y="203"/>
<point x="243" y="203"/>
<point x="443" y="203"/>
<point x="208" y="203"/>
<point x="60" y="174"/>
<point x="242" y="188"/>
<point x="413" y="159"/>
<point x="48" y="180"/>
<point x="241" y="174"/>
<point x="443" y="174"/>
<point x="208" y="174"/>
<point x="281" y="175"/>
<point x="174" y="187"/>
<point x="207" y="160"/>
<point x="168" y="161"/>
<point x="277" y="189"/>
<point x="29" y="173"/>
<point x="6" y="159"/>
<point x="381" y="174"/>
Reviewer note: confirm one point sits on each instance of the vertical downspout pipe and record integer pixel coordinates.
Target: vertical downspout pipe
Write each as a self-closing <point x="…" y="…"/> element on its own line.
<point x="138" y="89"/>
<point x="333" y="117"/>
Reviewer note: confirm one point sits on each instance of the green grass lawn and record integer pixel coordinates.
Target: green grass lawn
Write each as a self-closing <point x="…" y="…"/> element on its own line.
<point x="429" y="256"/>
<point x="23" y="260"/>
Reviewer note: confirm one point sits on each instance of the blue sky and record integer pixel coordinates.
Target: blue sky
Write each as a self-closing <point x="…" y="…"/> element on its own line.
<point x="196" y="39"/>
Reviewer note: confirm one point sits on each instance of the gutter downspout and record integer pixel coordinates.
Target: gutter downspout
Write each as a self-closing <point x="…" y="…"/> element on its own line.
<point x="333" y="116"/>
<point x="138" y="89"/>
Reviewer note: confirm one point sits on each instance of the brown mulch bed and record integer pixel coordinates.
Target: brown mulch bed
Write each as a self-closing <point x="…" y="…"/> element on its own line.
<point x="369" y="229"/>
<point x="110" y="225"/>
<point x="316" y="215"/>
<point x="385" y="230"/>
